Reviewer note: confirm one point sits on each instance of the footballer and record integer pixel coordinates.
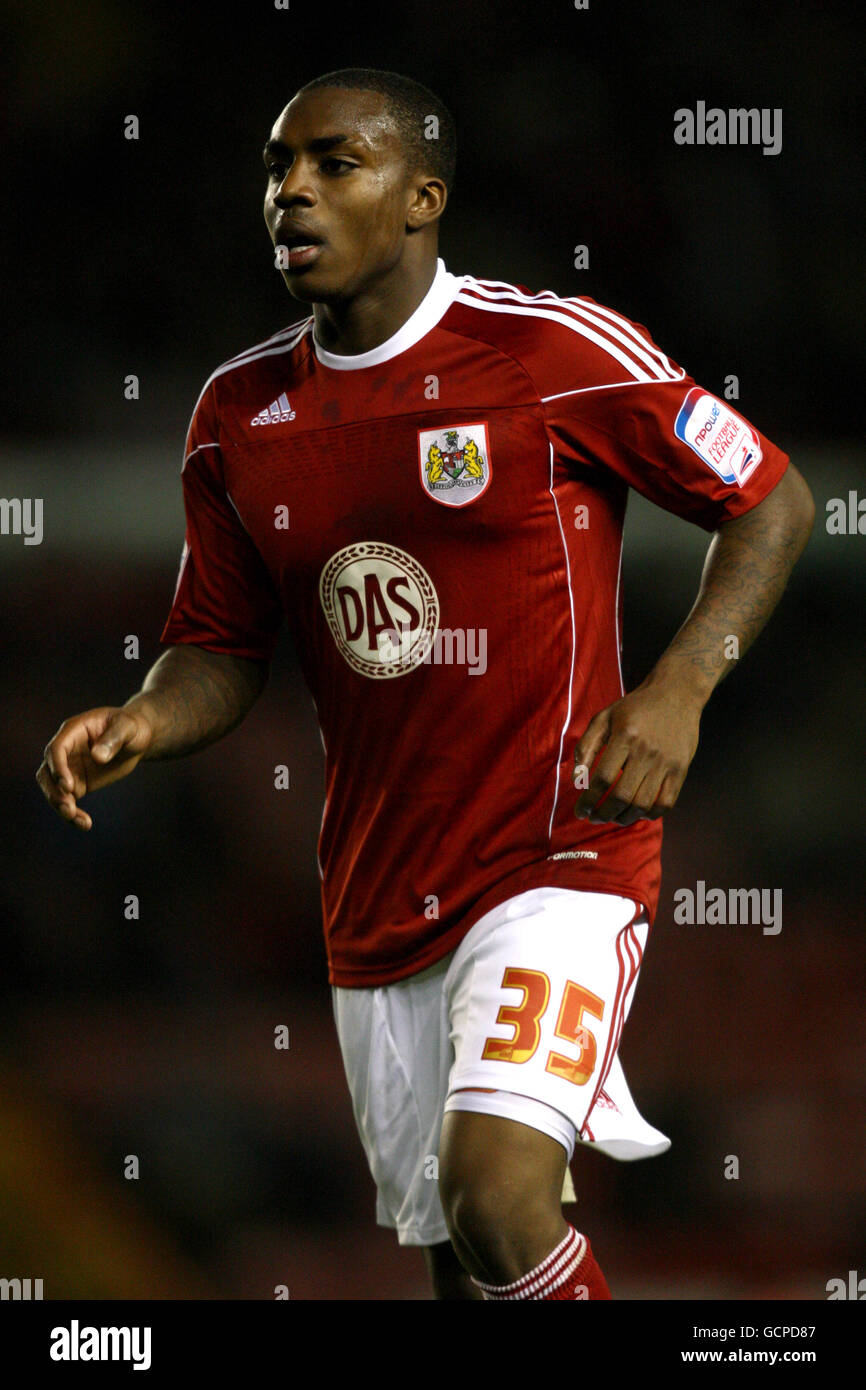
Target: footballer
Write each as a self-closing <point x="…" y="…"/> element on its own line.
<point x="426" y="479"/>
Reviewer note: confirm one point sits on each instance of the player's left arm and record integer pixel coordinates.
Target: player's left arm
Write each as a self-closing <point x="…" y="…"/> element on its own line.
<point x="650" y="736"/>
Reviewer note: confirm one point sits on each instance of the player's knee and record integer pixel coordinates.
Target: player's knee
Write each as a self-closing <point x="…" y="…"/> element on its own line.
<point x="480" y="1222"/>
<point x="449" y="1279"/>
<point x="500" y="1186"/>
<point x="490" y="1219"/>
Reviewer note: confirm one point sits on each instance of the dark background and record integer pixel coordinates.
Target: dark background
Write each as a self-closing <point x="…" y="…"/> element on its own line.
<point x="154" y="1036"/>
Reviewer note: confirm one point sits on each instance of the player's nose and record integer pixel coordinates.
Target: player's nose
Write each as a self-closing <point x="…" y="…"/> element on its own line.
<point x="295" y="186"/>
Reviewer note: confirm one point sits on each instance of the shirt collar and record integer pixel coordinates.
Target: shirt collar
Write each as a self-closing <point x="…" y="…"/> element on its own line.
<point x="428" y="313"/>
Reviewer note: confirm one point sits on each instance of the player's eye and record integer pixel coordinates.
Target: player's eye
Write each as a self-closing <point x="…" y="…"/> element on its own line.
<point x="335" y="160"/>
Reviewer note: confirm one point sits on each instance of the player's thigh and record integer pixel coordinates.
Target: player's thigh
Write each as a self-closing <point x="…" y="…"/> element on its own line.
<point x="498" y="1163"/>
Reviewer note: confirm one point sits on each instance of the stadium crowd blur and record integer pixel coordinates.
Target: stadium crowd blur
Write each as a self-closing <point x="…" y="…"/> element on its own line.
<point x="152" y="1035"/>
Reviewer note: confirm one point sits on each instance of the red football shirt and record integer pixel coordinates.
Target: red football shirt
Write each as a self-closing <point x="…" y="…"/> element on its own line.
<point x="440" y="522"/>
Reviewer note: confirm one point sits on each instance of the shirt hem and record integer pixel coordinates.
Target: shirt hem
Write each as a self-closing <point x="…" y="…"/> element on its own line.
<point x="372" y="976"/>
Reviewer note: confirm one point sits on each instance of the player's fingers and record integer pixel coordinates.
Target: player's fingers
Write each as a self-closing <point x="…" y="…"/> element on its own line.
<point x="642" y="804"/>
<point x="618" y="804"/>
<point x="56" y="759"/>
<point x="672" y="785"/>
<point x="50" y="787"/>
<point x="62" y="802"/>
<point x="78" y="771"/>
<point x="608" y="806"/>
<point x="589" y="746"/>
<point x="604" y="775"/>
<point x="64" y="755"/>
<point x="656" y="796"/>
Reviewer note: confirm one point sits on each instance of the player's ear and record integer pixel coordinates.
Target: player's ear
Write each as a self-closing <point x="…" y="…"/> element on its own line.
<point x="427" y="199"/>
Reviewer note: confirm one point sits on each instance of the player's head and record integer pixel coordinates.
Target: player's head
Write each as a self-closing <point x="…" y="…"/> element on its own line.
<point x="360" y="162"/>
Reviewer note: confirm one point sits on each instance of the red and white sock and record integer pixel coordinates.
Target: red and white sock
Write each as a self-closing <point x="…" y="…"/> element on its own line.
<point x="568" y="1272"/>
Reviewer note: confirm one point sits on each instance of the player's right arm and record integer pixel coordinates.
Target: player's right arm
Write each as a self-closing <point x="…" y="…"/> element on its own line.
<point x="190" y="698"/>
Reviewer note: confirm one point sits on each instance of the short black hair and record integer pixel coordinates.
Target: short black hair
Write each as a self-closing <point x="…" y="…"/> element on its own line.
<point x="410" y="104"/>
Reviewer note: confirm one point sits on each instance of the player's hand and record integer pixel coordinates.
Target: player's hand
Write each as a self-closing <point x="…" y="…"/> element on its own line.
<point x="88" y="752"/>
<point x="633" y="758"/>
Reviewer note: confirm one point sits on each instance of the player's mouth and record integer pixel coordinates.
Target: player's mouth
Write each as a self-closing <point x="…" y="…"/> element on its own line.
<point x="303" y="255"/>
<point x="303" y="247"/>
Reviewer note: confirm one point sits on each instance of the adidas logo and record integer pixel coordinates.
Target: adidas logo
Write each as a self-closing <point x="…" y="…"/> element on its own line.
<point x="276" y="413"/>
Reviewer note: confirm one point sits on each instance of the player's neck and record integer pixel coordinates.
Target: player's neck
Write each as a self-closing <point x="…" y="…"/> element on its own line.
<point x="356" y="325"/>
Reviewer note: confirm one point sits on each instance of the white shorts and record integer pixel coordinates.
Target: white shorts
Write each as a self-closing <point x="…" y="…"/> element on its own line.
<point x="530" y="1006"/>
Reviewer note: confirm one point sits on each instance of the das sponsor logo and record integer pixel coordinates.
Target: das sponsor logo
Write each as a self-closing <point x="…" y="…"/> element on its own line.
<point x="455" y="463"/>
<point x="381" y="607"/>
<point x="718" y="436"/>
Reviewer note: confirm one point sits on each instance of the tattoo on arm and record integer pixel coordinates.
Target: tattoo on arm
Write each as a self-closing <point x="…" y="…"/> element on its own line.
<point x="194" y="697"/>
<point x="747" y="568"/>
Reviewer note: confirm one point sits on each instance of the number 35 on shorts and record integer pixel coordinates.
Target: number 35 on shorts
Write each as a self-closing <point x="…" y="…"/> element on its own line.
<point x="525" y="1018"/>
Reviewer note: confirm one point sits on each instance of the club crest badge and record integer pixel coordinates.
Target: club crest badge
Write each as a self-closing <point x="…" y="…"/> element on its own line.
<point x="455" y="463"/>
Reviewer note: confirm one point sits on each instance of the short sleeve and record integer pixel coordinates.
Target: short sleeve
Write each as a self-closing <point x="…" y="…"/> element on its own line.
<point x="674" y="442"/>
<point x="224" y="599"/>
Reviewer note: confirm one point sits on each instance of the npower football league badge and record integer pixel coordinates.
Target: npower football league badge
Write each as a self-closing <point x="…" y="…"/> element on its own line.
<point x="719" y="436"/>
